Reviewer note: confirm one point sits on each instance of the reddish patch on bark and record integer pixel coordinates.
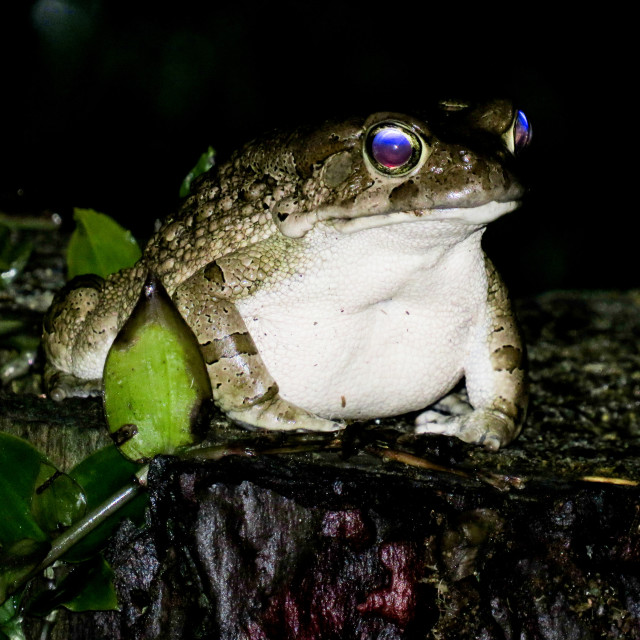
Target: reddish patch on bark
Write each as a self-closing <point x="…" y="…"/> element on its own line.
<point x="347" y="569"/>
<point x="396" y="602"/>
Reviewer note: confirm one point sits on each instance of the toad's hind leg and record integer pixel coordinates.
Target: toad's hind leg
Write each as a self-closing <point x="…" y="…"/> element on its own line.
<point x="80" y="326"/>
<point x="242" y="386"/>
<point x="71" y="368"/>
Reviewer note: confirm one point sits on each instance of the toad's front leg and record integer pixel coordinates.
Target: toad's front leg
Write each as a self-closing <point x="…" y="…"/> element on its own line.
<point x="496" y="378"/>
<point x="242" y="386"/>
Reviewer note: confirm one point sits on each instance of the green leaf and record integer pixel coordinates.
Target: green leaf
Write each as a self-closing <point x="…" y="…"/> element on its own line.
<point x="97" y="593"/>
<point x="11" y="619"/>
<point x="99" y="245"/>
<point x="37" y="501"/>
<point x="206" y="161"/>
<point x="17" y="561"/>
<point x="13" y="631"/>
<point x="9" y="609"/>
<point x="58" y="501"/>
<point x="20" y="465"/>
<point x="101" y="475"/>
<point x="155" y="382"/>
<point x="87" y="587"/>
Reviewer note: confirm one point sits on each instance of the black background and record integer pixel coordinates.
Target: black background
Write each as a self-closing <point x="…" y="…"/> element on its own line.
<point x="107" y="104"/>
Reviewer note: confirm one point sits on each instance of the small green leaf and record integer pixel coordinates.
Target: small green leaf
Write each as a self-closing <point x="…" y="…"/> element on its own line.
<point x="155" y="382"/>
<point x="98" y="592"/>
<point x="206" y="161"/>
<point x="101" y="475"/>
<point x="99" y="245"/>
<point x="87" y="587"/>
<point x="13" y="630"/>
<point x="9" y="609"/>
<point x="11" y="619"/>
<point x="17" y="561"/>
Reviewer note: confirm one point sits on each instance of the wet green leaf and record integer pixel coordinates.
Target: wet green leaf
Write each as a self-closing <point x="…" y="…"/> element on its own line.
<point x="13" y="630"/>
<point x="101" y="475"/>
<point x="155" y="381"/>
<point x="17" y="561"/>
<point x="9" y="609"/>
<point x="99" y="245"/>
<point x="11" y="619"/>
<point x="97" y="592"/>
<point x="87" y="587"/>
<point x="205" y="162"/>
<point x="37" y="501"/>
<point x="57" y="501"/>
<point x="20" y="465"/>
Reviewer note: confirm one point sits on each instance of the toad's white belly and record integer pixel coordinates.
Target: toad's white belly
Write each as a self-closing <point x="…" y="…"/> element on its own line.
<point x="385" y="360"/>
<point x="378" y="335"/>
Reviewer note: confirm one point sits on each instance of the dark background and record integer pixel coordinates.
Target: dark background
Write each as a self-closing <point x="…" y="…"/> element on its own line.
<point x="107" y="104"/>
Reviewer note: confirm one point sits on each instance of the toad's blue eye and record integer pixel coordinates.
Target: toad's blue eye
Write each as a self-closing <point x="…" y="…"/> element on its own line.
<point x="521" y="132"/>
<point x="393" y="149"/>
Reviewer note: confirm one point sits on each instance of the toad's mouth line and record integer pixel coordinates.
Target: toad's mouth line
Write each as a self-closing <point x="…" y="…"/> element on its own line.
<point x="477" y="216"/>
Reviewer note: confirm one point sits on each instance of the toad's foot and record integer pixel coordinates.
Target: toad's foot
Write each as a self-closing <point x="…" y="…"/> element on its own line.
<point x="276" y="413"/>
<point x="61" y="385"/>
<point x="487" y="427"/>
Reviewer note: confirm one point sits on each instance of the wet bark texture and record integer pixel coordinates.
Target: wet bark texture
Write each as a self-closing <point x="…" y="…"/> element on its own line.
<point x="281" y="548"/>
<point x="363" y="539"/>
